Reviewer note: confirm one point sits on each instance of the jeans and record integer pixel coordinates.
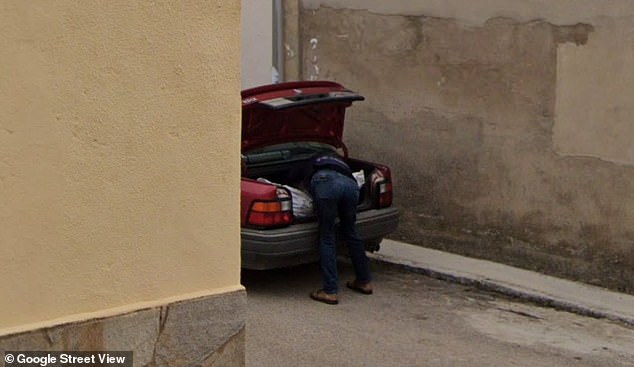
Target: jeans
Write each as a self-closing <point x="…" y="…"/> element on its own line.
<point x="336" y="195"/>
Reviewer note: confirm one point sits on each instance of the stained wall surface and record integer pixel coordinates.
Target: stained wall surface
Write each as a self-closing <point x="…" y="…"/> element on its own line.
<point x="508" y="124"/>
<point x="257" y="43"/>
<point x="119" y="143"/>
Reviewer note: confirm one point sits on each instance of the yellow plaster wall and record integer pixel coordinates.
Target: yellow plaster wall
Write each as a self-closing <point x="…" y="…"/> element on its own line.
<point x="119" y="141"/>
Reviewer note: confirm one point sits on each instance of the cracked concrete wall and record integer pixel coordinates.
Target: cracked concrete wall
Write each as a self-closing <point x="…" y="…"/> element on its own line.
<point x="507" y="123"/>
<point x="119" y="174"/>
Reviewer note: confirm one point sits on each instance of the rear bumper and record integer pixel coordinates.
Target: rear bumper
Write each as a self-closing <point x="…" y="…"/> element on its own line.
<point x="297" y="244"/>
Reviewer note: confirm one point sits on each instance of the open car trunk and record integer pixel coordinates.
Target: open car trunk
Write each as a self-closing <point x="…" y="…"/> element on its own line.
<point x="286" y="168"/>
<point x="284" y="126"/>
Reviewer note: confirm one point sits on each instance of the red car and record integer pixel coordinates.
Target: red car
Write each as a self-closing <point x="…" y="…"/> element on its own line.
<point x="283" y="126"/>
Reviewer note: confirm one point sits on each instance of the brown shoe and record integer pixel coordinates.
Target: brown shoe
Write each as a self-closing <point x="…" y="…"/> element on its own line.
<point x="321" y="296"/>
<point x="363" y="288"/>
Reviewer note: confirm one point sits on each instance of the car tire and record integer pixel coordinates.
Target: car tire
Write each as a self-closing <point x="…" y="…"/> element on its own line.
<point x="373" y="244"/>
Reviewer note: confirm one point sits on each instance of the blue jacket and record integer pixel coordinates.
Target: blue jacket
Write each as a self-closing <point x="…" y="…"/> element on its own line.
<point x="334" y="163"/>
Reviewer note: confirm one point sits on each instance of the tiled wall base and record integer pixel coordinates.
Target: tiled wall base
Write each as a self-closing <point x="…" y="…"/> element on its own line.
<point x="207" y="331"/>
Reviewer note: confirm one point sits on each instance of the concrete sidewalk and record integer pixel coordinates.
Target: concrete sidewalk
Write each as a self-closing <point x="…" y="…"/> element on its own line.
<point x="559" y="293"/>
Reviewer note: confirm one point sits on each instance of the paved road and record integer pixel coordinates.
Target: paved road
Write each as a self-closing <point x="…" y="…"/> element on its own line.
<point x="413" y="320"/>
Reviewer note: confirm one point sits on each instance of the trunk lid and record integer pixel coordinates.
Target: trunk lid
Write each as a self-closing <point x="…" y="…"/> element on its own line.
<point x="295" y="111"/>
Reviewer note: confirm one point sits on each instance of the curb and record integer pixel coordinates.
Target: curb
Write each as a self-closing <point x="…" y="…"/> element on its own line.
<point x="510" y="281"/>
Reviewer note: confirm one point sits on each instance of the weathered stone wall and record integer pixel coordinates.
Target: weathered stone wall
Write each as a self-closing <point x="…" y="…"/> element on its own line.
<point x="485" y="124"/>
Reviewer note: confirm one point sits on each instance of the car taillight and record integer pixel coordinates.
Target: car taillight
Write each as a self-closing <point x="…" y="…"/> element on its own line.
<point x="272" y="213"/>
<point x="385" y="194"/>
<point x="381" y="187"/>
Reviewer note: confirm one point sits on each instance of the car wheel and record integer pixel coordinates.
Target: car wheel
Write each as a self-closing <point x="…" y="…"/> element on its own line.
<point x="373" y="244"/>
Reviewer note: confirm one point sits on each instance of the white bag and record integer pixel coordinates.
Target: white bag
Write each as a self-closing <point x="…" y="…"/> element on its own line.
<point x="302" y="202"/>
